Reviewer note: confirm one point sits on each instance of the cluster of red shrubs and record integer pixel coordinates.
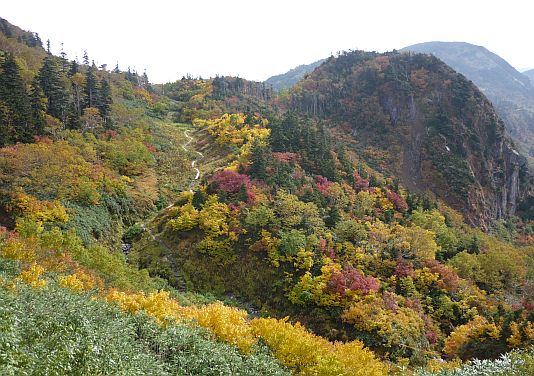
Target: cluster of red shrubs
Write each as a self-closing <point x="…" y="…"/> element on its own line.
<point x="360" y="183"/>
<point x="397" y="201"/>
<point x="354" y="280"/>
<point x="322" y="184"/>
<point x="230" y="181"/>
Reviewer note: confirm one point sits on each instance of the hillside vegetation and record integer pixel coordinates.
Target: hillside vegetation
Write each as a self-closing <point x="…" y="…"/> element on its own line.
<point x="308" y="246"/>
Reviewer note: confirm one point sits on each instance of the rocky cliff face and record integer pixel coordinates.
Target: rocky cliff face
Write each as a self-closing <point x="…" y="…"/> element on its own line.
<point x="412" y="116"/>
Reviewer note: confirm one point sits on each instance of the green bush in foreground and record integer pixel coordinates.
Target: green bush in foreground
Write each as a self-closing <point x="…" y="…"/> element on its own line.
<point x="510" y="364"/>
<point x="52" y="331"/>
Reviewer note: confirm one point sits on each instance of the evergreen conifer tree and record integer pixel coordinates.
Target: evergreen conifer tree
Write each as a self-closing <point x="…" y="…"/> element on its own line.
<point x="104" y="101"/>
<point x="16" y="109"/>
<point x="85" y="58"/>
<point x="90" y="89"/>
<point x="50" y="79"/>
<point x="74" y="68"/>
<point x="260" y="155"/>
<point x="38" y="107"/>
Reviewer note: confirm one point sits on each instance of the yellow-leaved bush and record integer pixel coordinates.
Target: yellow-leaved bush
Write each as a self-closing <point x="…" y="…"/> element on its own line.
<point x="298" y="349"/>
<point x="187" y="218"/>
<point x="158" y="305"/>
<point x="307" y="354"/>
<point x="32" y="275"/>
<point x="233" y="129"/>
<point x="478" y="329"/>
<point x="227" y="323"/>
<point x="80" y="281"/>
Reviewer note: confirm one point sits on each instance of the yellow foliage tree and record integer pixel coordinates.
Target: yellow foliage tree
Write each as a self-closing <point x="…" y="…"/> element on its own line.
<point x="307" y="354"/>
<point x="478" y="329"/>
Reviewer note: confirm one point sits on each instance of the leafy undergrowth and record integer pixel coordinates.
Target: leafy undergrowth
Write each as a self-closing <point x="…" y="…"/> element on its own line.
<point x="52" y="330"/>
<point x="515" y="363"/>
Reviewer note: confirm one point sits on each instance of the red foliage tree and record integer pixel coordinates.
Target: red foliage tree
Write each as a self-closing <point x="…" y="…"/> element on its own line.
<point x="449" y="280"/>
<point x="404" y="269"/>
<point x="354" y="280"/>
<point x="230" y="181"/>
<point x="397" y="201"/>
<point x="322" y="184"/>
<point x="360" y="183"/>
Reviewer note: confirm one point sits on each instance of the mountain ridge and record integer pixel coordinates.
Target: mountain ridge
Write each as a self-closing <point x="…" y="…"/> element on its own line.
<point x="411" y="101"/>
<point x="291" y="77"/>
<point x="530" y="74"/>
<point x="510" y="91"/>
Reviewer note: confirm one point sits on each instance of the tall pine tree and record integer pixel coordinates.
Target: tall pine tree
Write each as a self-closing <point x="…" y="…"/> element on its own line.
<point x="90" y="89"/>
<point x="50" y="79"/>
<point x="104" y="101"/>
<point x="38" y="107"/>
<point x="260" y="156"/>
<point x="15" y="104"/>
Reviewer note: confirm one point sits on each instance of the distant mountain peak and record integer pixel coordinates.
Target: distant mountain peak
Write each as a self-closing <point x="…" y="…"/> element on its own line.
<point x="291" y="77"/>
<point x="511" y="92"/>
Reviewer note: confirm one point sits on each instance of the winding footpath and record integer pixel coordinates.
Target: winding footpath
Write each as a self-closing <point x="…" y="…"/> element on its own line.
<point x="156" y="237"/>
<point x="126" y="247"/>
<point x="193" y="163"/>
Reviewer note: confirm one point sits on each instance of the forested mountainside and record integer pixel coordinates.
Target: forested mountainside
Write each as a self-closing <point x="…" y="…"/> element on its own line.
<point x="141" y="207"/>
<point x="416" y="118"/>
<point x="291" y="77"/>
<point x="511" y="92"/>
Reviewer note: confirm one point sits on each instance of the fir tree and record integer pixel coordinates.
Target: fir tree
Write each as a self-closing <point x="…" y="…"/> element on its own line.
<point x="51" y="82"/>
<point x="90" y="89"/>
<point x="38" y="40"/>
<point x="104" y="101"/>
<point x="6" y="125"/>
<point x="38" y="107"/>
<point x="260" y="155"/>
<point x="16" y="109"/>
<point x="74" y="68"/>
<point x="63" y="57"/>
<point x="85" y="58"/>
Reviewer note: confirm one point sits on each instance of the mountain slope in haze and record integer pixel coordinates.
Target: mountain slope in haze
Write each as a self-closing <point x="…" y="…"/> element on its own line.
<point x="413" y="116"/>
<point x="530" y="74"/>
<point x="291" y="77"/>
<point x="510" y="91"/>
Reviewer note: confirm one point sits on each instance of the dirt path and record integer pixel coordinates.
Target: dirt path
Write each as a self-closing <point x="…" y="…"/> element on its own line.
<point x="193" y="163"/>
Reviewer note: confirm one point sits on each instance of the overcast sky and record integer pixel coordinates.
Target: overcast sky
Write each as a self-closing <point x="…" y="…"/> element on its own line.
<point x="258" y="39"/>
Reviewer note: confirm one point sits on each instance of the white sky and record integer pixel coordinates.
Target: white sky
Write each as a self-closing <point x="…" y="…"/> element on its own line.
<point x="258" y="39"/>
